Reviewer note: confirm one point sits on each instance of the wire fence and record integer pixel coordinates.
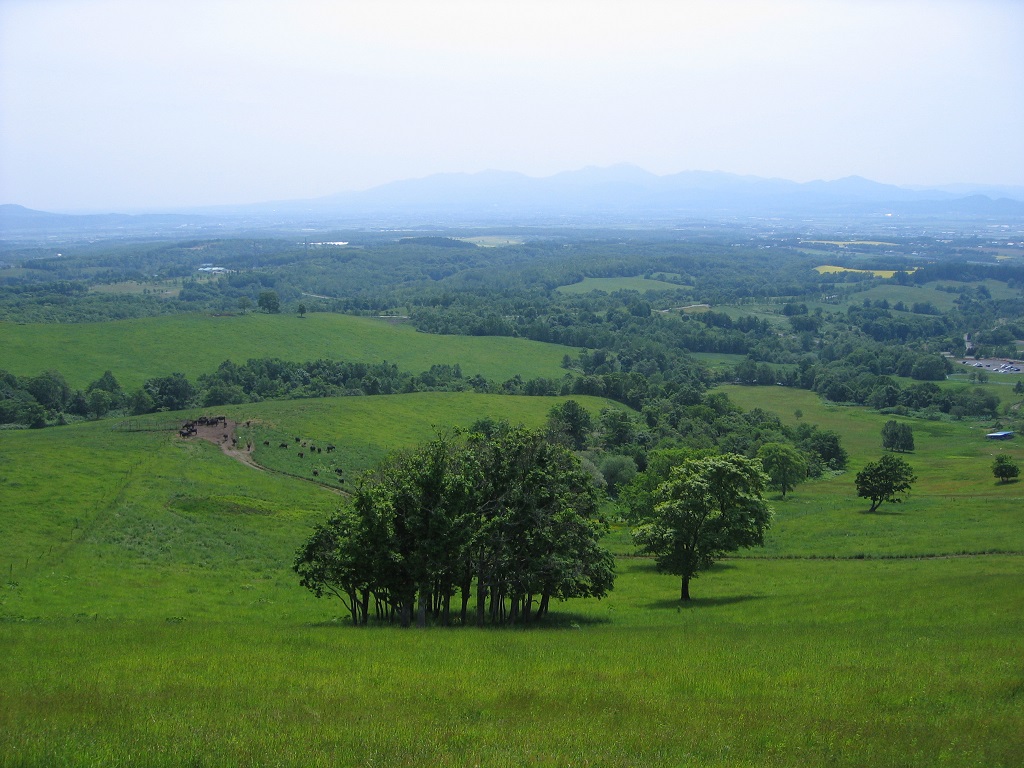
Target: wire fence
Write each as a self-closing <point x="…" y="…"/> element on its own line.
<point x="148" y="425"/>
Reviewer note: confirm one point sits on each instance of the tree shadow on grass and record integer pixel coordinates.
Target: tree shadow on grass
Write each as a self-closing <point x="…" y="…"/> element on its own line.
<point x="882" y="512"/>
<point x="701" y="602"/>
<point x="555" y="620"/>
<point x="646" y="565"/>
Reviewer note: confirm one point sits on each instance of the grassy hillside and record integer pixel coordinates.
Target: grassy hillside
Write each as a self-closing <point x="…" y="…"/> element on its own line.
<point x="956" y="506"/>
<point x="780" y="663"/>
<point x="148" y="617"/>
<point x="143" y="523"/>
<point x="192" y="344"/>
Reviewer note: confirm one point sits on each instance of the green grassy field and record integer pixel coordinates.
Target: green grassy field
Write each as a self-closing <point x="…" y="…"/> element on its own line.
<point x="368" y="428"/>
<point x="162" y="288"/>
<point x="957" y="506"/>
<point x="770" y="313"/>
<point x="148" y="616"/>
<point x="192" y="344"/>
<point x="849" y="664"/>
<point x="718" y="361"/>
<point x="167" y="512"/>
<point x="611" y="284"/>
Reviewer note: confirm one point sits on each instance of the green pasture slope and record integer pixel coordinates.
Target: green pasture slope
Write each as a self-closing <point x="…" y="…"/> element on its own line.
<point x="138" y="349"/>
<point x="150" y="619"/>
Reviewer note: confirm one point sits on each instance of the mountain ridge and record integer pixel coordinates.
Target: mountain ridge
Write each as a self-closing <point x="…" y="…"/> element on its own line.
<point x="619" y="193"/>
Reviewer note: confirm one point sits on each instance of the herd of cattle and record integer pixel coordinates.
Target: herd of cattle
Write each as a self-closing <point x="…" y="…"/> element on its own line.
<point x="191" y="428"/>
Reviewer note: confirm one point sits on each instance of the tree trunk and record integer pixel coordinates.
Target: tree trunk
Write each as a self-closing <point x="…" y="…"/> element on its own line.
<point x="465" y="604"/>
<point x="366" y="606"/>
<point x="481" y="601"/>
<point x="684" y="592"/>
<point x="542" y="609"/>
<point x="421" y="609"/>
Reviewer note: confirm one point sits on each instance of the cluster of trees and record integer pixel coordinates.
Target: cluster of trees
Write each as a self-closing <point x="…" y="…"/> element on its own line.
<point x="848" y="381"/>
<point x="45" y="399"/>
<point x="618" y="446"/>
<point x="35" y="401"/>
<point x="502" y="517"/>
<point x="897" y="436"/>
<point x="273" y="378"/>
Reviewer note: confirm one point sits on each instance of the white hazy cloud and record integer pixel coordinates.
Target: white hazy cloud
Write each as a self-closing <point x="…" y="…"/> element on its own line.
<point x="127" y="104"/>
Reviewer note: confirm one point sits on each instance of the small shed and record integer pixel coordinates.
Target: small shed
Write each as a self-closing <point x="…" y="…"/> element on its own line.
<point x="999" y="435"/>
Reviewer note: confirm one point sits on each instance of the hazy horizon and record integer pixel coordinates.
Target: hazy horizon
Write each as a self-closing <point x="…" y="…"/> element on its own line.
<point x="108" y="104"/>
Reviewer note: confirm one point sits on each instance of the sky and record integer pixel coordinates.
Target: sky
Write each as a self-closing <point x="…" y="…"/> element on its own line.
<point x="127" y="105"/>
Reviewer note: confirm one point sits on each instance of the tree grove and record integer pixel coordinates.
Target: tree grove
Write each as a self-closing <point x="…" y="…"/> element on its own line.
<point x="506" y="519"/>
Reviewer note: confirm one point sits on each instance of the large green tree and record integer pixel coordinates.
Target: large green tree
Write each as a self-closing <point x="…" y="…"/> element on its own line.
<point x="572" y="422"/>
<point x="708" y="507"/>
<point x="784" y="464"/>
<point x="269" y="302"/>
<point x="884" y="480"/>
<point x="1005" y="468"/>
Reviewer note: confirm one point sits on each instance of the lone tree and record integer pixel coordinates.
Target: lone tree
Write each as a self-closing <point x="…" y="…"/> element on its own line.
<point x="897" y="437"/>
<point x="571" y="422"/>
<point x="708" y="507"/>
<point x="301" y="310"/>
<point x="1005" y="469"/>
<point x="783" y="464"/>
<point x="269" y="302"/>
<point x="885" y="480"/>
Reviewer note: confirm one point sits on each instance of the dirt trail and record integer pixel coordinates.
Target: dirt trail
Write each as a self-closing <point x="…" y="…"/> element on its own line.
<point x="223" y="436"/>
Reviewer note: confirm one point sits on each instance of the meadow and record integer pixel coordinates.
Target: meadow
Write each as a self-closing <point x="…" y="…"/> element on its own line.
<point x="138" y="349"/>
<point x="149" y="616"/>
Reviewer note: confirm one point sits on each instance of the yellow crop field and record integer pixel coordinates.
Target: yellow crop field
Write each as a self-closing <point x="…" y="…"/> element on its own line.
<point x="827" y="269"/>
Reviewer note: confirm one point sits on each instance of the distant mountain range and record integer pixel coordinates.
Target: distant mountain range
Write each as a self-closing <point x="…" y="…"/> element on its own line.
<point x="615" y="195"/>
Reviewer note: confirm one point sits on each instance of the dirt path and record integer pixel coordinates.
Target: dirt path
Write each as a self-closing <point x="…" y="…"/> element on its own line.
<point x="223" y="436"/>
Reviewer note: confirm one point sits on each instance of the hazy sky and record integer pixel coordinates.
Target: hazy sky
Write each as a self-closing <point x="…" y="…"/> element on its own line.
<point x="127" y="104"/>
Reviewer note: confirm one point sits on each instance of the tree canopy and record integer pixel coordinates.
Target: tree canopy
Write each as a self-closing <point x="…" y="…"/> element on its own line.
<point x="885" y="480"/>
<point x="1005" y="468"/>
<point x="708" y="506"/>
<point x="269" y="302"/>
<point x="783" y="464"/>
<point x="897" y="436"/>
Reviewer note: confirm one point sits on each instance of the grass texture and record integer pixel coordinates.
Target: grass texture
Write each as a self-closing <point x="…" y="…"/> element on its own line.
<point x="148" y="616"/>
